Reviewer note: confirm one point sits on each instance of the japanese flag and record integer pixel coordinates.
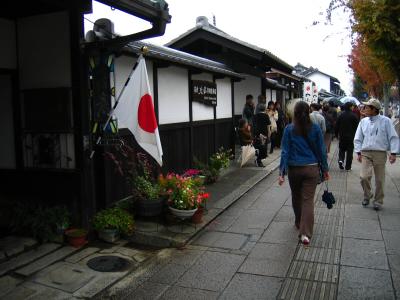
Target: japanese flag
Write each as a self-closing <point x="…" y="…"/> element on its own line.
<point x="135" y="111"/>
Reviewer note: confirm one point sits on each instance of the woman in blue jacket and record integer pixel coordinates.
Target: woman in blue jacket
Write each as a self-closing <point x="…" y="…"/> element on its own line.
<point x="303" y="149"/>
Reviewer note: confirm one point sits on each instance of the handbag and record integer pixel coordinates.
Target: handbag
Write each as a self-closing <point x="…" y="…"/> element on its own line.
<point x="328" y="197"/>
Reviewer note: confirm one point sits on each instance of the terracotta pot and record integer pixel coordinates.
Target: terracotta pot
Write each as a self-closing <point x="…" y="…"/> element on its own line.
<point x="197" y="218"/>
<point x="76" y="237"/>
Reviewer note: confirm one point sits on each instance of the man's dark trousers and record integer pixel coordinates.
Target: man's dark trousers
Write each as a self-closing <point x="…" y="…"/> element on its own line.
<point x="346" y="148"/>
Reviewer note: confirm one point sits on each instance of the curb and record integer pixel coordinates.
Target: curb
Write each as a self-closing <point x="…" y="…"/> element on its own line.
<point x="166" y="237"/>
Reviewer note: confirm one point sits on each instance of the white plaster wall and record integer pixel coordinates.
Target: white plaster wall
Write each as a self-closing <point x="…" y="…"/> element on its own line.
<point x="273" y="98"/>
<point x="7" y="149"/>
<point x="200" y="111"/>
<point x="250" y="85"/>
<point x="44" y="51"/>
<point x="8" y="52"/>
<point x="224" y="98"/>
<point x="268" y="95"/>
<point x="123" y="67"/>
<point x="173" y="95"/>
<point x="322" y="81"/>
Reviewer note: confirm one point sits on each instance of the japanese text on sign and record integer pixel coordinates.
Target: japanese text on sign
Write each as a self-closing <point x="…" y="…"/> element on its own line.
<point x="204" y="92"/>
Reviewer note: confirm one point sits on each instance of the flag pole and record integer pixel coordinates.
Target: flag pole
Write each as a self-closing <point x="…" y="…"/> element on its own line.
<point x="143" y="50"/>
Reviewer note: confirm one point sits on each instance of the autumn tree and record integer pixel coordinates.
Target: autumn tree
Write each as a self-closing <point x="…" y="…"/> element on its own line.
<point x="369" y="68"/>
<point x="375" y="26"/>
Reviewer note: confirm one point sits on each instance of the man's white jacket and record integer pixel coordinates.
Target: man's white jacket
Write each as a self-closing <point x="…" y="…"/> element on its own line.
<point x="376" y="133"/>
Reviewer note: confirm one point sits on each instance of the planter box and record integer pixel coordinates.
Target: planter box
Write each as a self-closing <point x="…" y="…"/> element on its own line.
<point x="150" y="208"/>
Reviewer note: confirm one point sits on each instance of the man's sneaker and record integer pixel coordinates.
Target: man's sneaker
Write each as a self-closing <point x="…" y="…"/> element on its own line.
<point x="365" y="202"/>
<point x="304" y="239"/>
<point x="377" y="206"/>
<point x="341" y="165"/>
<point x="348" y="170"/>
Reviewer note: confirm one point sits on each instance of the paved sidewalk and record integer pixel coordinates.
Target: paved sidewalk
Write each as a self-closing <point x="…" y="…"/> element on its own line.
<point x="251" y="251"/>
<point x="54" y="271"/>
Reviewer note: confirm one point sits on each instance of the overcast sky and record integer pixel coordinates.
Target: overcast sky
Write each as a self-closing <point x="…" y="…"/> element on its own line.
<point x="283" y="27"/>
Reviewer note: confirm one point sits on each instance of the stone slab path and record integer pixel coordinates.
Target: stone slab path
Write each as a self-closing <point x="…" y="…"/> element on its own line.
<point x="251" y="250"/>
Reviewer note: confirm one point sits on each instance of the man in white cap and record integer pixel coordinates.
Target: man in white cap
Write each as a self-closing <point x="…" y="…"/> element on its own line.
<point x="375" y="136"/>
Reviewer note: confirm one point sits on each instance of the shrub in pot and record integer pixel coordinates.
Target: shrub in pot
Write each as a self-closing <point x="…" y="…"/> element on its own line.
<point x="112" y="222"/>
<point x="147" y="195"/>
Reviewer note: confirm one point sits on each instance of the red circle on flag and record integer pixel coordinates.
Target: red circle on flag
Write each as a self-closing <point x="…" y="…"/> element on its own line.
<point x="146" y="117"/>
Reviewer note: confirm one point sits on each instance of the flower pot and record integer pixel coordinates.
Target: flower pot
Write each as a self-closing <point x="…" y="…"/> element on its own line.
<point x="197" y="217"/>
<point x="150" y="208"/>
<point x="182" y="213"/>
<point x="109" y="235"/>
<point x="76" y="237"/>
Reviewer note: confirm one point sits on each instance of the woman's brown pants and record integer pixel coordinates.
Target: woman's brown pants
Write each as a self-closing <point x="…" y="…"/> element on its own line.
<point x="303" y="182"/>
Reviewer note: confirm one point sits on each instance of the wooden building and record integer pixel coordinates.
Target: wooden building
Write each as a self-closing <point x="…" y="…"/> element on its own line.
<point x="208" y="41"/>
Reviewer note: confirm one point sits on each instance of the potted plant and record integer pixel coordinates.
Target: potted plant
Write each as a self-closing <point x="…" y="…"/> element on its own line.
<point x="112" y="222"/>
<point x="76" y="236"/>
<point x="216" y="162"/>
<point x="185" y="194"/>
<point x="149" y="203"/>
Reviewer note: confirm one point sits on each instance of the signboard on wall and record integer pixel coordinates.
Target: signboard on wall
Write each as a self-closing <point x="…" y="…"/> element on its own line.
<point x="204" y="92"/>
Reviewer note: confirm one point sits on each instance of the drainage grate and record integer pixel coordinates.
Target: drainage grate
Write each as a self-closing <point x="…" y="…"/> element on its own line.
<point x="109" y="263"/>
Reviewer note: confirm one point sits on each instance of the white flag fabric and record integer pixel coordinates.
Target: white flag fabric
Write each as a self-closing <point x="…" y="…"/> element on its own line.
<point x="135" y="111"/>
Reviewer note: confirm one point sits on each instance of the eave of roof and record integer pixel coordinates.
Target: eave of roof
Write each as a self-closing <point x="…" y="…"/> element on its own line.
<point x="182" y="58"/>
<point x="312" y="71"/>
<point x="213" y="30"/>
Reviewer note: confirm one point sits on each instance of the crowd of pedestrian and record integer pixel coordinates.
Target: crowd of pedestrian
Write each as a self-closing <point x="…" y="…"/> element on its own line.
<point x="261" y="125"/>
<point x="306" y="144"/>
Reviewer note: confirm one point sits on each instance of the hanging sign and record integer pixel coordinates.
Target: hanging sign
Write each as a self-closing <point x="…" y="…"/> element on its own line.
<point x="204" y="92"/>
<point x="307" y="93"/>
<point x="315" y="94"/>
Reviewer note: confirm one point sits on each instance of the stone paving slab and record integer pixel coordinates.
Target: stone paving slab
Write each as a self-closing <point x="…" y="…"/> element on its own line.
<point x="182" y="293"/>
<point x="266" y="267"/>
<point x="8" y="283"/>
<point x="304" y="289"/>
<point x="280" y="232"/>
<point x="394" y="262"/>
<point x="46" y="261"/>
<point x="82" y="254"/>
<point x="314" y="271"/>
<point x="392" y="241"/>
<point x="98" y="284"/>
<point x="248" y="286"/>
<point x="357" y="211"/>
<point x="147" y="291"/>
<point x="390" y="222"/>
<point x="169" y="274"/>
<point x="27" y="257"/>
<point x="12" y="245"/>
<point x="212" y="271"/>
<point x="364" y="253"/>
<point x="362" y="229"/>
<point x="279" y="252"/>
<point x="327" y="241"/>
<point x="65" y="276"/>
<point x="321" y="255"/>
<point x="221" y="223"/>
<point x="36" y="292"/>
<point x="223" y="240"/>
<point x="359" y="283"/>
